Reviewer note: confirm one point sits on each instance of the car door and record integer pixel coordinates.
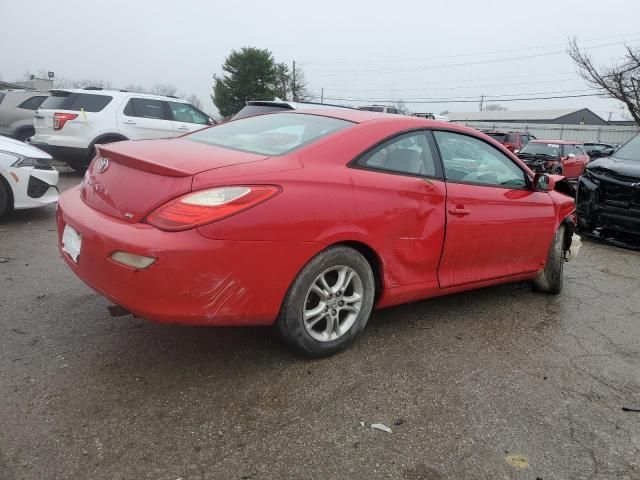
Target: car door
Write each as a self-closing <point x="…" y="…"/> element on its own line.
<point x="400" y="186"/>
<point x="583" y="159"/>
<point x="497" y="226"/>
<point x="570" y="161"/>
<point x="186" y="118"/>
<point x="145" y="118"/>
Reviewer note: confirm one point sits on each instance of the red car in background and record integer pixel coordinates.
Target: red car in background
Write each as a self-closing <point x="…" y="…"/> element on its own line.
<point x="558" y="157"/>
<point x="308" y="220"/>
<point x="514" y="141"/>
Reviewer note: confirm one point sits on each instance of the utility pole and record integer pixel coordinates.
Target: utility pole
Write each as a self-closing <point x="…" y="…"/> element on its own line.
<point x="294" y="93"/>
<point x="481" y="101"/>
<point x="322" y="96"/>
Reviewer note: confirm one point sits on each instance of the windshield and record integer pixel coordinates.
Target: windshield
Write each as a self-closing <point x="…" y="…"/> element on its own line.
<point x="630" y="150"/>
<point x="548" y="149"/>
<point x="273" y="134"/>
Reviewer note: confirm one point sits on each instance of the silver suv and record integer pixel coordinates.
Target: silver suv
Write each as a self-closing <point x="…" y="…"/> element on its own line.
<point x="16" y="112"/>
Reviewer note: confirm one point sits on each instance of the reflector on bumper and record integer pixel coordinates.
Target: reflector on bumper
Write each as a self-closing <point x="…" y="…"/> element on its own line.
<point x="132" y="260"/>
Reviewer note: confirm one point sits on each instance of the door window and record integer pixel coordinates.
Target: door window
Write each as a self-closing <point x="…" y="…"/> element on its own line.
<point x="183" y="112"/>
<point x="469" y="160"/>
<point x="145" y="108"/>
<point x="569" y="149"/>
<point x="411" y="153"/>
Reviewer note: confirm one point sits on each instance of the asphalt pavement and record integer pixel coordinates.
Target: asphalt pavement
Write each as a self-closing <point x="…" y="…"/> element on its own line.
<point x="499" y="383"/>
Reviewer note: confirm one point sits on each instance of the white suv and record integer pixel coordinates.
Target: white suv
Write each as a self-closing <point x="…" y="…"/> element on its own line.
<point x="71" y="122"/>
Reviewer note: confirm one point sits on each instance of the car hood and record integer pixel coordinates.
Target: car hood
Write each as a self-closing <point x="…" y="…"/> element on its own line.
<point x="627" y="168"/>
<point x="15" y="146"/>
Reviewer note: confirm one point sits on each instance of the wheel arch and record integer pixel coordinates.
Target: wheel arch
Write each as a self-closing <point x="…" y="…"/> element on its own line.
<point x="7" y="186"/>
<point x="23" y="128"/>
<point x="375" y="261"/>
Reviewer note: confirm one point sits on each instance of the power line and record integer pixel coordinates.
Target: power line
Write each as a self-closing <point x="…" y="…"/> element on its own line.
<point x="342" y="73"/>
<point x="368" y="100"/>
<point x="473" y="54"/>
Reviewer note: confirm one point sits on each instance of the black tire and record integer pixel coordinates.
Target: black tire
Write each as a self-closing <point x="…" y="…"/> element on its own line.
<point x="549" y="280"/>
<point x="290" y="324"/>
<point x="23" y="134"/>
<point x="81" y="166"/>
<point x="5" y="198"/>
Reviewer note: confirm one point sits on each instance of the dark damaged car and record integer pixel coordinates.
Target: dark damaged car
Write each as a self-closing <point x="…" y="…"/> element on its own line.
<point x="609" y="191"/>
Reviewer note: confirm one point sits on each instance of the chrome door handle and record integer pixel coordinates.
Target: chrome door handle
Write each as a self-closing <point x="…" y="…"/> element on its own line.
<point x="183" y="128"/>
<point x="129" y="122"/>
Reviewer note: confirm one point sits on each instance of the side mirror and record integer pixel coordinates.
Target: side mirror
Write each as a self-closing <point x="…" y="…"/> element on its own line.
<point x="210" y="121"/>
<point x="516" y="151"/>
<point x="572" y="155"/>
<point x="606" y="152"/>
<point x="543" y="182"/>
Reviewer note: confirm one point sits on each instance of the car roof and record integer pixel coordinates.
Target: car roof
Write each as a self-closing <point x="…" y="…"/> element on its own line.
<point x="559" y="142"/>
<point x="293" y="105"/>
<point x="361" y="116"/>
<point x="117" y="93"/>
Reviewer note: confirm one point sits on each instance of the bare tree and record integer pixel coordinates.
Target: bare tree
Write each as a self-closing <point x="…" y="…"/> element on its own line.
<point x="165" y="89"/>
<point x="400" y="105"/>
<point x="132" y="87"/>
<point x="494" y="107"/>
<point x="82" y="83"/>
<point x="444" y="112"/>
<point x="193" y="100"/>
<point x="620" y="81"/>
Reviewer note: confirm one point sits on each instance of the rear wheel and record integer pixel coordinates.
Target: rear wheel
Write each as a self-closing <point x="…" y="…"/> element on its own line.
<point x="81" y="165"/>
<point x="22" y="135"/>
<point x="549" y="280"/>
<point x="328" y="304"/>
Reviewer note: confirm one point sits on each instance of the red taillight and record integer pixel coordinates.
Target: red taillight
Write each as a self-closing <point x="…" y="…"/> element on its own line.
<point x="207" y="206"/>
<point x="59" y="119"/>
<point x="510" y="146"/>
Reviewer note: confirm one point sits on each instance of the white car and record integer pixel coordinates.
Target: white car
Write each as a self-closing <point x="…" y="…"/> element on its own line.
<point x="27" y="178"/>
<point x="71" y="122"/>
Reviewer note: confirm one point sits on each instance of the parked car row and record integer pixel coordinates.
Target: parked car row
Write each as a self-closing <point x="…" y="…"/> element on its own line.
<point x="16" y="112"/>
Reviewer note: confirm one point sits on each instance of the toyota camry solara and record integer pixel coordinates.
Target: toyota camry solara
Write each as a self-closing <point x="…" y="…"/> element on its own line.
<point x="308" y="220"/>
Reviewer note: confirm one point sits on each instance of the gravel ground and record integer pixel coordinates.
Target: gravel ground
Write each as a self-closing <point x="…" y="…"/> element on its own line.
<point x="501" y="383"/>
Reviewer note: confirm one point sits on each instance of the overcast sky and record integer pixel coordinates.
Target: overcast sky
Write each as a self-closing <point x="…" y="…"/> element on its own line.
<point x="405" y="49"/>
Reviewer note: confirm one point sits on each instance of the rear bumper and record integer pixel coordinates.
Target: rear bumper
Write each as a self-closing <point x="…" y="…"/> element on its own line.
<point x="73" y="154"/>
<point x="195" y="280"/>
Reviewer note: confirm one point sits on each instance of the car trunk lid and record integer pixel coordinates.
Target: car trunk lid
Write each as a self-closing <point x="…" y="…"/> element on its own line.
<point x="128" y="180"/>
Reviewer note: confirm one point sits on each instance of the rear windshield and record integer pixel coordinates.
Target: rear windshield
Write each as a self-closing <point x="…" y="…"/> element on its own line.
<point x="273" y="134"/>
<point x="88" y="102"/>
<point x="549" y="149"/>
<point x="498" y="137"/>
<point x="630" y="150"/>
<point x="252" y="110"/>
<point x="372" y="109"/>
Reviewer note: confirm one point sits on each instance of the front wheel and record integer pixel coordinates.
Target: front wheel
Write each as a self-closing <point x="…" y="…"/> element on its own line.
<point x="328" y="304"/>
<point x="549" y="280"/>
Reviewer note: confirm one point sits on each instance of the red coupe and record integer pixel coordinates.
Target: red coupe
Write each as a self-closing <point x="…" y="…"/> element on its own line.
<point x="308" y="220"/>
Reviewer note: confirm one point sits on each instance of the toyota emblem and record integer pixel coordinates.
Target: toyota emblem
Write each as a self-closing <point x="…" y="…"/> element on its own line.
<point x="103" y="164"/>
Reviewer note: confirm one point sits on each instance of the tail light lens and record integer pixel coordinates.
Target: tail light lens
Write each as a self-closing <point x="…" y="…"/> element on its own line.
<point x="59" y="119"/>
<point x="207" y="206"/>
<point x="510" y="146"/>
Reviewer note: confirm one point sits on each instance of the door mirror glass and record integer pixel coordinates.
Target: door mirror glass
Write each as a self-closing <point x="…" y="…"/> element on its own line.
<point x="572" y="155"/>
<point x="211" y="121"/>
<point x="543" y="182"/>
<point x="606" y="152"/>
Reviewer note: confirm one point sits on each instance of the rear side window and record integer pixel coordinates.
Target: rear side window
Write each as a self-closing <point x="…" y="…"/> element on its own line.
<point x="145" y="108"/>
<point x="76" y="102"/>
<point x="411" y="153"/>
<point x="32" y="103"/>
<point x="1" y="97"/>
<point x="273" y="134"/>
